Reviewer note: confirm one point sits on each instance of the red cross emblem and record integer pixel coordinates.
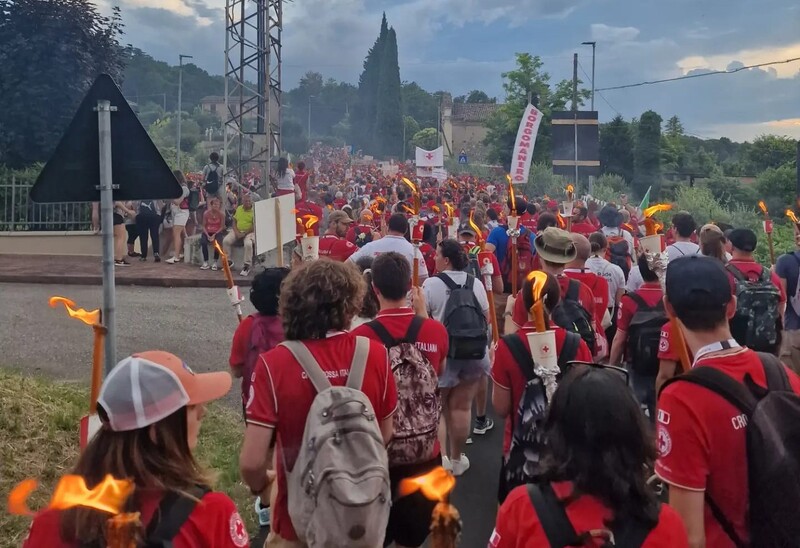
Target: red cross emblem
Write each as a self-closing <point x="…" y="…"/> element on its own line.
<point x="429" y="156"/>
<point x="546" y="349"/>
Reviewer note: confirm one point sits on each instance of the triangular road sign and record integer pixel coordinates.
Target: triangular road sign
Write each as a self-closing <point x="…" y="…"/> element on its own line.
<point x="73" y="172"/>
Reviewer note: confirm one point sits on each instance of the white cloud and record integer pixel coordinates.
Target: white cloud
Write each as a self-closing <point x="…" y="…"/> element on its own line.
<point x="747" y="57"/>
<point x="747" y="132"/>
<point x="606" y="33"/>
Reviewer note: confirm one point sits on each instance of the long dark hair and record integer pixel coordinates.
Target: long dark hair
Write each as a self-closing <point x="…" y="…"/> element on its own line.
<point x="598" y="439"/>
<point x="283" y="165"/>
<point x="155" y="457"/>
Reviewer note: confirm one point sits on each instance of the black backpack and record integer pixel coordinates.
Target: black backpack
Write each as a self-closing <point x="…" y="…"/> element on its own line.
<point x="570" y="315"/>
<point x="527" y="439"/>
<point x="212" y="179"/>
<point x="362" y="238"/>
<point x="755" y="323"/>
<point x="560" y="531"/>
<point x="773" y="451"/>
<point x="194" y="199"/>
<point x="464" y="320"/>
<point x="644" y="335"/>
<point x="474" y="267"/>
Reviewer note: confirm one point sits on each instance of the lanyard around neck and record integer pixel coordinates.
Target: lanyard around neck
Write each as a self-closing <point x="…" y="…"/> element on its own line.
<point x="714" y="347"/>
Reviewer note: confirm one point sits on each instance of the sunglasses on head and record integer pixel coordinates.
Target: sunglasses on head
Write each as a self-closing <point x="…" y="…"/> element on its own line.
<point x="621" y="370"/>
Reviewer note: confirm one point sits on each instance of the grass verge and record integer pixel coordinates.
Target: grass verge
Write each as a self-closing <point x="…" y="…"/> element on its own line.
<point x="39" y="439"/>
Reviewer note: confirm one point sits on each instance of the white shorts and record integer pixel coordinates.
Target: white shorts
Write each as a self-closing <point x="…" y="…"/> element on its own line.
<point x="179" y="216"/>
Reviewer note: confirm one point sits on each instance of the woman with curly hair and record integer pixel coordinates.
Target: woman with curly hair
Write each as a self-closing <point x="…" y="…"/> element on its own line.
<point x="593" y="473"/>
<point x="318" y="302"/>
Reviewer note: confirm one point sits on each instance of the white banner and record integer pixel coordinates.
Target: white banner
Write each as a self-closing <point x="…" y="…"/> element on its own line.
<point x="523" y="147"/>
<point x="438" y="173"/>
<point x="430" y="158"/>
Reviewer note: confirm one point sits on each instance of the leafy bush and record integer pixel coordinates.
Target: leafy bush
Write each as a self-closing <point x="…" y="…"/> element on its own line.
<point x="542" y="182"/>
<point x="777" y="187"/>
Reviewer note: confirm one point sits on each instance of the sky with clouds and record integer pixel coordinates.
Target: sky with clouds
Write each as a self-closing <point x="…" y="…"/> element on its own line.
<point x="459" y="45"/>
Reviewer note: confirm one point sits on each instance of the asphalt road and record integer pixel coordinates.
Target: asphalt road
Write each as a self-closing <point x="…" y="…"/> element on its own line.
<point x="196" y="324"/>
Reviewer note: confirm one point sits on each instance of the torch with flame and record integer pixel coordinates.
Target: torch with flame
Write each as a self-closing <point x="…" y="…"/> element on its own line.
<point x="233" y="291"/>
<point x="92" y="318"/>
<point x="309" y="242"/>
<point x="570" y="191"/>
<point x="651" y="226"/>
<point x="416" y="196"/>
<point x="446" y="521"/>
<point x="768" y="229"/>
<point x="792" y="216"/>
<point x="109" y="496"/>
<point x="538" y="279"/>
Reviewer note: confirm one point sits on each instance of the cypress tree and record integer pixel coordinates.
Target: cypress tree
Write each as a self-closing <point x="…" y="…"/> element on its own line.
<point x="389" y="117"/>
<point x="364" y="113"/>
<point x="647" y="160"/>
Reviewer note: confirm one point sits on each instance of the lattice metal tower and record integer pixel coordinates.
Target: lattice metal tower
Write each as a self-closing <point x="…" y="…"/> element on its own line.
<point x="252" y="86"/>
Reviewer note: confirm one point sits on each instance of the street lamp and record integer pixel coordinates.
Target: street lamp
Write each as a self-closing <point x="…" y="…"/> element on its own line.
<point x="594" y="46"/>
<point x="181" y="57"/>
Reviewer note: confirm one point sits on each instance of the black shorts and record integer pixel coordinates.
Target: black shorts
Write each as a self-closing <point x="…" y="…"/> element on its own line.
<point x="502" y="486"/>
<point x="410" y="517"/>
<point x="118" y="219"/>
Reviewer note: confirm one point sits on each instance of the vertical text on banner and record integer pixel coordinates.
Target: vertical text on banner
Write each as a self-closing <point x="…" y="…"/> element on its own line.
<point x="523" y="148"/>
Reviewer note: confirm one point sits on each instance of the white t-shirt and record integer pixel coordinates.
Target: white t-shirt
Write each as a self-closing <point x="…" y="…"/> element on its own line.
<point x="287" y="181"/>
<point x="610" y="231"/>
<point x="436" y="293"/>
<point x="398" y="244"/>
<point x="681" y="249"/>
<point x="635" y="280"/>
<point x="611" y="272"/>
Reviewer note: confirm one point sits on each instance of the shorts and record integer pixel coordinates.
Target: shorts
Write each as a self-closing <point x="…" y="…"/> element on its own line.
<point x="118" y="219"/>
<point x="179" y="216"/>
<point x="502" y="485"/>
<point x="410" y="517"/>
<point x="460" y="371"/>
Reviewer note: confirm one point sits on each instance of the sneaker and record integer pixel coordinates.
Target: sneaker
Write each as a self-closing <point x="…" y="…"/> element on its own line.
<point x="122" y="262"/>
<point x="469" y="440"/>
<point x="446" y="464"/>
<point x="156" y="257"/>
<point x="245" y="271"/>
<point x="142" y="259"/>
<point x="460" y="466"/>
<point x="134" y="254"/>
<point x="230" y="263"/>
<point x="204" y="266"/>
<point x="262" y="513"/>
<point x="172" y="260"/>
<point x="180" y="257"/>
<point x="481" y="427"/>
<point x="215" y="266"/>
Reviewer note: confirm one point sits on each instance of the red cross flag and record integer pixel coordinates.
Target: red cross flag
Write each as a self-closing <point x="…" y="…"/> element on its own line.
<point x="430" y="158"/>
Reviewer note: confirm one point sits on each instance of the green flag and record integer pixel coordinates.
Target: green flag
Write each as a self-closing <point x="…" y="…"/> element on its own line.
<point x="646" y="200"/>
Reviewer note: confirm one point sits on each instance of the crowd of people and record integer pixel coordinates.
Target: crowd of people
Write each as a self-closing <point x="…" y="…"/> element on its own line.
<point x="665" y="421"/>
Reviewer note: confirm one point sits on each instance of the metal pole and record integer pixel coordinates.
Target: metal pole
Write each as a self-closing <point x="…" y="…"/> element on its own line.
<point x="104" y="110"/>
<point x="594" y="47"/>
<point x="309" y="121"/>
<point x="575" y="109"/>
<point x="180" y="106"/>
<point x="14" y="199"/>
<point x="404" y="138"/>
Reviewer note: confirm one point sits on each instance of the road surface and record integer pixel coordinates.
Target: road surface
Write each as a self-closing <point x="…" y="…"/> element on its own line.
<point x="196" y="324"/>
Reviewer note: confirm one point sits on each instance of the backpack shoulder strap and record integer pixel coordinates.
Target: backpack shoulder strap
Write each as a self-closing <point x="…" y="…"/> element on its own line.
<point x="718" y="382"/>
<point x="552" y="516"/>
<point x="173" y="511"/>
<point x="520" y="355"/>
<point x="735" y="272"/>
<point x="470" y="282"/>
<point x="774" y="372"/>
<point x="568" y="352"/>
<point x="414" y="329"/>
<point x="641" y="303"/>
<point x="309" y="364"/>
<point x="448" y="281"/>
<point x="573" y="290"/>
<point x="633" y="533"/>
<point x="382" y="333"/>
<point x="359" y="364"/>
<point x="765" y="276"/>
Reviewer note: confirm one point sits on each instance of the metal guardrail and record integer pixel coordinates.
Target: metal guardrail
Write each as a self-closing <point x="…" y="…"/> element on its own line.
<point x="18" y="213"/>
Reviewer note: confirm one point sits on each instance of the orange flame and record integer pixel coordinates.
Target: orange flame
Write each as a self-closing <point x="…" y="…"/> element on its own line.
<point x="89" y="317"/>
<point x="763" y="207"/>
<point x="436" y="209"/>
<point x="628" y="226"/>
<point x="652" y="210"/>
<point x="435" y="485"/>
<point x="538" y="280"/>
<point x="561" y="222"/>
<point x="309" y="221"/>
<point x="408" y="210"/>
<point x="511" y="195"/>
<point x="792" y="216"/>
<point x="570" y="191"/>
<point x="107" y="496"/>
<point x="476" y="228"/>
<point x="410" y="185"/>
<point x="449" y="209"/>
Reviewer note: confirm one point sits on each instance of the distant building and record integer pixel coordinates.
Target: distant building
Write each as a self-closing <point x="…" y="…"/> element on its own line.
<point x="215" y="104"/>
<point x="463" y="127"/>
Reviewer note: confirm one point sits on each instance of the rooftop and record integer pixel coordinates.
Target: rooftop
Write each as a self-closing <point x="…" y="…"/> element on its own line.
<point x="474" y="112"/>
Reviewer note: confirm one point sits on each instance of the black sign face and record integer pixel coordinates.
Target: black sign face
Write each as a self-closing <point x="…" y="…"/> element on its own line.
<point x="138" y="169"/>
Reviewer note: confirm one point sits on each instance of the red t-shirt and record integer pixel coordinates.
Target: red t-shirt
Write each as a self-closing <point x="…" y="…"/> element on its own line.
<point x="506" y="373"/>
<point x="301" y="180"/>
<point x="240" y="346"/>
<point x="702" y="442"/>
<point x="333" y="247"/>
<point x="282" y="396"/>
<point x="363" y="231"/>
<point x="429" y="254"/>
<point x="213" y="522"/>
<point x="583" y="227"/>
<point x="597" y="284"/>
<point x="307" y="208"/>
<point x="667" y="350"/>
<point x="752" y="270"/>
<point x="518" y="525"/>
<point x="529" y="221"/>
<point x="650" y="292"/>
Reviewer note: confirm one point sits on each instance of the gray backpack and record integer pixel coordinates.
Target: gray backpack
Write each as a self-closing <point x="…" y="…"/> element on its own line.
<point x="339" y="491"/>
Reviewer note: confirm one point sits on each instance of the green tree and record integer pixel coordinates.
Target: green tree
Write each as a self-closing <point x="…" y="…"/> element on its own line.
<point x="420" y="105"/>
<point x="51" y="53"/>
<point x="475" y="96"/>
<point x="426" y="138"/>
<point x="616" y="148"/>
<point x="411" y="129"/>
<point x="673" y="128"/>
<point x="647" y="159"/>
<point x="365" y="112"/>
<point x="771" y="151"/>
<point x="389" y="113"/>
<point x="502" y="126"/>
<point x="778" y="187"/>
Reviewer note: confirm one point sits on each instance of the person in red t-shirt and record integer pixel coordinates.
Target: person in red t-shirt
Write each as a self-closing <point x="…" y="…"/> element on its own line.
<point x="580" y="222"/>
<point x="364" y="232"/>
<point x="701" y="437"/>
<point x="148" y="437"/>
<point x="507" y="374"/>
<point x="301" y="177"/>
<point x="650" y="292"/>
<point x="592" y="472"/>
<point x="668" y="357"/>
<point x="307" y="208"/>
<point x="597" y="284"/>
<point x="409" y="521"/>
<point x="318" y="302"/>
<point x="333" y="245"/>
